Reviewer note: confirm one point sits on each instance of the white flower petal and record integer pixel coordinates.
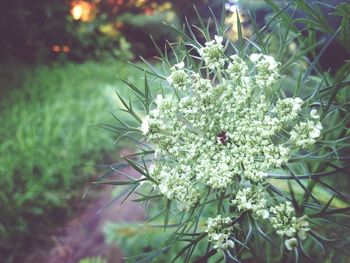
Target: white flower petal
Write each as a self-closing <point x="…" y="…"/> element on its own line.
<point x="255" y="57"/>
<point x="291" y="243"/>
<point x="180" y="65"/>
<point x="145" y="125"/>
<point x="218" y="39"/>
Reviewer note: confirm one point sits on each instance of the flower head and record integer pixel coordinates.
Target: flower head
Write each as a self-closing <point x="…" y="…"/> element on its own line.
<point x="237" y="68"/>
<point x="305" y="133"/>
<point x="285" y="222"/>
<point x="178" y="77"/>
<point x="251" y="199"/>
<point x="267" y="69"/>
<point x="219" y="230"/>
<point x="213" y="53"/>
<point x="287" y="110"/>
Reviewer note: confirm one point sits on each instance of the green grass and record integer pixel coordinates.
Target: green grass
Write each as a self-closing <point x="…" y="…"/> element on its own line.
<point x="49" y="143"/>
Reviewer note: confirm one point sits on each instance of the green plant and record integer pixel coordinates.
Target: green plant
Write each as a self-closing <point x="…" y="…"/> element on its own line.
<point x="241" y="157"/>
<point x="316" y="22"/>
<point x="49" y="145"/>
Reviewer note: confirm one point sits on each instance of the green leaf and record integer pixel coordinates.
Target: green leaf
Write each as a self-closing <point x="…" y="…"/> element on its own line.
<point x="116" y="182"/>
<point x="167" y="212"/>
<point x="240" y="35"/>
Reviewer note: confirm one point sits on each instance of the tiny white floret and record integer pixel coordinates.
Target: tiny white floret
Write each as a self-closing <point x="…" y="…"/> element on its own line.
<point x="145" y="125"/>
<point x="218" y="39"/>
<point x="291" y="243"/>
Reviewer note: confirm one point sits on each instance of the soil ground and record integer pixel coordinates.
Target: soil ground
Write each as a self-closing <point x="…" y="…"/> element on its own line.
<point x="83" y="237"/>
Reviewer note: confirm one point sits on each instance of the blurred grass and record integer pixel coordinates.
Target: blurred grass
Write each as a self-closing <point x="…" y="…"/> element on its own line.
<point x="49" y="143"/>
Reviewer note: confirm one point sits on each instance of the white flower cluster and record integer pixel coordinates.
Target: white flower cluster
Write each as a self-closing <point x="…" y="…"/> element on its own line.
<point x="267" y="69"/>
<point x="219" y="230"/>
<point x="251" y="199"/>
<point x="236" y="68"/>
<point x="213" y="53"/>
<point x="178" y="77"/>
<point x="286" y="224"/>
<point x="227" y="131"/>
<point x="306" y="133"/>
<point x="175" y="184"/>
<point x="224" y="132"/>
<point x="287" y="109"/>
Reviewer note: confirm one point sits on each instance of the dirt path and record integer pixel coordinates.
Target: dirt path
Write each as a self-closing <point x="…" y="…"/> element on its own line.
<point x="83" y="237"/>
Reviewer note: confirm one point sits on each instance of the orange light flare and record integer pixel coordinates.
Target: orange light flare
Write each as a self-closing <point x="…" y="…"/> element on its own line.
<point x="65" y="49"/>
<point x="82" y="10"/>
<point x="56" y="48"/>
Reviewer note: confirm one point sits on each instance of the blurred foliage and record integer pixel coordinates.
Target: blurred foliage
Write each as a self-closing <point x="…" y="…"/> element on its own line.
<point x="46" y="30"/>
<point x="97" y="39"/>
<point x="28" y="29"/>
<point x="49" y="145"/>
<point x="93" y="260"/>
<point x="323" y="28"/>
<point x="82" y="29"/>
<point x="140" y="27"/>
